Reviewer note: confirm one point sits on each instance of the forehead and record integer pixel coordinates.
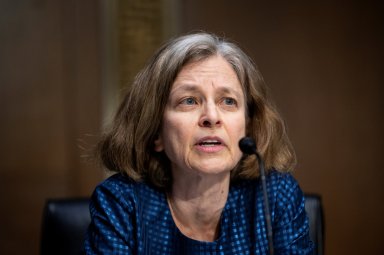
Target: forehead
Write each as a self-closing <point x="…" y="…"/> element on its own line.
<point x="215" y="70"/>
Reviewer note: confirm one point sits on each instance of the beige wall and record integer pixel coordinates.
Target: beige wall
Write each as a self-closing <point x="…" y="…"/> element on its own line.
<point x="323" y="62"/>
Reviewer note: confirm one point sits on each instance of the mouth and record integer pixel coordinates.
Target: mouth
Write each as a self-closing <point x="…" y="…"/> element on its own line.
<point x="209" y="142"/>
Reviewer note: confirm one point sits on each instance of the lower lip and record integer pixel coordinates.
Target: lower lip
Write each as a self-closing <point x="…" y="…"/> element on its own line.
<point x="210" y="149"/>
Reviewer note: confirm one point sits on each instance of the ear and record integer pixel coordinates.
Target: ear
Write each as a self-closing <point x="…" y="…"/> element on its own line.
<point x="158" y="144"/>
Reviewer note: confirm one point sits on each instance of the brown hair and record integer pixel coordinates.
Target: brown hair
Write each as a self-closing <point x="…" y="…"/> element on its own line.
<point x="129" y="146"/>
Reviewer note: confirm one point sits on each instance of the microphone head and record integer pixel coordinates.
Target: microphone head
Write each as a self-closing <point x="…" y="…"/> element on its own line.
<point x="247" y="145"/>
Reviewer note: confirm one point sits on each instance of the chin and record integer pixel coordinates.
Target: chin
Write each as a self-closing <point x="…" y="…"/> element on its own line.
<point x="215" y="169"/>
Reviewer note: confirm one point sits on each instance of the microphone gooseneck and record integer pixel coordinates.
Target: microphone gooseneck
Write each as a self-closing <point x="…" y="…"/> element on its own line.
<point x="248" y="146"/>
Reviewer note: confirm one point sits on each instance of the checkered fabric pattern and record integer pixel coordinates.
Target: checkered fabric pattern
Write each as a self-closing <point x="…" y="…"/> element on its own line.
<point x="134" y="218"/>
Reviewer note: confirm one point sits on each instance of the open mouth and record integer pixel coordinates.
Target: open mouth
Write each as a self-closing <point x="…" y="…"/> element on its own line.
<point x="209" y="143"/>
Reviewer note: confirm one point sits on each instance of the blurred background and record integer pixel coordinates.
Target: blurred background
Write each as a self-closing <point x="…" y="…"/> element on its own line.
<point x="63" y="64"/>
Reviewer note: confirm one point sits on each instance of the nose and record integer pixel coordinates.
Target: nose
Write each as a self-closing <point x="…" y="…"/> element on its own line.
<point x="210" y="116"/>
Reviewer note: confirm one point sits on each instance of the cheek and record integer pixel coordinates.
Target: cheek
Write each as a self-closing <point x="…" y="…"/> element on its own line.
<point x="175" y="132"/>
<point x="178" y="123"/>
<point x="239" y="126"/>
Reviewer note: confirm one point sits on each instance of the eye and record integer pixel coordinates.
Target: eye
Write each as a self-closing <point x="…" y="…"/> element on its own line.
<point x="229" y="101"/>
<point x="189" y="101"/>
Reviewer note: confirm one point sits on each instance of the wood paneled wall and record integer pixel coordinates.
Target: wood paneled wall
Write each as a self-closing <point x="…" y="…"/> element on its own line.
<point x="321" y="60"/>
<point x="50" y="111"/>
<point x="323" y="63"/>
<point x="63" y="66"/>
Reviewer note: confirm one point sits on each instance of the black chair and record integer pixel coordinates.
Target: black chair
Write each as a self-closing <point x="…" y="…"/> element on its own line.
<point x="65" y="222"/>
<point x="314" y="209"/>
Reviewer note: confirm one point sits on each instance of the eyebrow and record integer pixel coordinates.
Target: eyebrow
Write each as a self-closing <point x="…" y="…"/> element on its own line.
<point x="194" y="88"/>
<point x="185" y="87"/>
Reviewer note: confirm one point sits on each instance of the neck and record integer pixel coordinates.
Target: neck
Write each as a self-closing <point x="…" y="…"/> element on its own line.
<point x="197" y="203"/>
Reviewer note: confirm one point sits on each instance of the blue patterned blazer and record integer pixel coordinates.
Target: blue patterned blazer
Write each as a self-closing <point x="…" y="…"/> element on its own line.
<point x="134" y="218"/>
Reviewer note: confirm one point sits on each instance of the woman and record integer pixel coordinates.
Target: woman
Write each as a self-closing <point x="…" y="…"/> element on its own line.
<point x="183" y="185"/>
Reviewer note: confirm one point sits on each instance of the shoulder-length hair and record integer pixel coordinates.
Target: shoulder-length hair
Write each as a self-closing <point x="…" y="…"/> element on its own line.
<point x="128" y="147"/>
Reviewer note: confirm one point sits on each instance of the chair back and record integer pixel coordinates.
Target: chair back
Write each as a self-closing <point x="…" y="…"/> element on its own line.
<point x="314" y="209"/>
<point x="65" y="223"/>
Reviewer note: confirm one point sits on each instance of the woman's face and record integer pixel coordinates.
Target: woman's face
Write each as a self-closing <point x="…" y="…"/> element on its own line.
<point x="204" y="119"/>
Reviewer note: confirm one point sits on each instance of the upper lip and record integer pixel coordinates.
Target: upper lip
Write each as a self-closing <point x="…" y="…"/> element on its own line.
<point x="210" y="139"/>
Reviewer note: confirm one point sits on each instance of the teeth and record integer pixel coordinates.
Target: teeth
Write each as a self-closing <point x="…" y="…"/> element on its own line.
<point x="210" y="143"/>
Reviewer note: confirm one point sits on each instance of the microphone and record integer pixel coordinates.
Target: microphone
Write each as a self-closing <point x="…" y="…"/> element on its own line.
<point x="248" y="146"/>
